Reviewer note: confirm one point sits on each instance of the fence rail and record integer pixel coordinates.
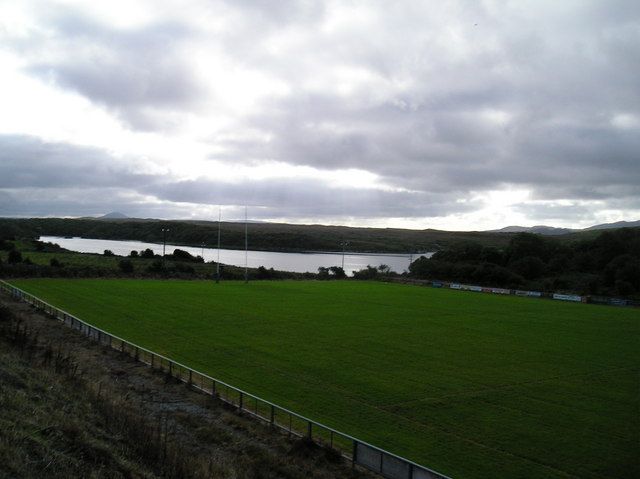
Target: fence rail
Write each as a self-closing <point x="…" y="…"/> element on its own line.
<point x="358" y="452"/>
<point x="588" y="298"/>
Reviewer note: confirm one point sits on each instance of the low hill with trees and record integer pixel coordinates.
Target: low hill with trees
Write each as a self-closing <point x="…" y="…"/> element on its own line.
<point x="608" y="263"/>
<point x="262" y="236"/>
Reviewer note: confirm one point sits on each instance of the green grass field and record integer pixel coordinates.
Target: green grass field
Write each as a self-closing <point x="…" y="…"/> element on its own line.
<point x="472" y="385"/>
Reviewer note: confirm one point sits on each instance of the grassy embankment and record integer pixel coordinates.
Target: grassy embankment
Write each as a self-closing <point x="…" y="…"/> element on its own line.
<point x="471" y="385"/>
<point x="73" y="409"/>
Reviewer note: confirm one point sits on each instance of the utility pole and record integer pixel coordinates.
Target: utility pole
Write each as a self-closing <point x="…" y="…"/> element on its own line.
<point x="218" y="262"/>
<point x="246" y="247"/>
<point x="343" y="244"/>
<point x="164" y="243"/>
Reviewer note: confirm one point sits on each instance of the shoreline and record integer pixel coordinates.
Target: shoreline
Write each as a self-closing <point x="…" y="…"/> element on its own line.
<point x="283" y="251"/>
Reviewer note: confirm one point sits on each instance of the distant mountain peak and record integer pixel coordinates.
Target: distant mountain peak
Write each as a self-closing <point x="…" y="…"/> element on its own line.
<point x="114" y="215"/>
<point x="551" y="230"/>
<point x="539" y="229"/>
<point x="618" y="224"/>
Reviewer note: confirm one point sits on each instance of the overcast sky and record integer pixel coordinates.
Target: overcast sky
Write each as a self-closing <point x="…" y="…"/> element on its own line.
<point x="422" y="114"/>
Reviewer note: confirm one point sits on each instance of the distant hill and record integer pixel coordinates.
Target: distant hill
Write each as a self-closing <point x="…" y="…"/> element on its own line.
<point x="272" y="236"/>
<point x="619" y="224"/>
<point x="262" y="236"/>
<point x="539" y="229"/>
<point x="114" y="215"/>
<point x="552" y="231"/>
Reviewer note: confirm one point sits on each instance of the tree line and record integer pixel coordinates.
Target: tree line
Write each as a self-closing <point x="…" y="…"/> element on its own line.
<point x="608" y="264"/>
<point x="262" y="236"/>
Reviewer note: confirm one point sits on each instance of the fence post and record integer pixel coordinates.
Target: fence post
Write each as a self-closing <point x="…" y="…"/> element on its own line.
<point x="273" y="415"/>
<point x="309" y="426"/>
<point x="241" y="398"/>
<point x="354" y="454"/>
<point x="213" y="388"/>
<point x="190" y="377"/>
<point x="170" y="368"/>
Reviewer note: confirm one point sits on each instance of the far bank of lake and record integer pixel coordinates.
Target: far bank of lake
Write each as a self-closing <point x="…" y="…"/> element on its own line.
<point x="297" y="262"/>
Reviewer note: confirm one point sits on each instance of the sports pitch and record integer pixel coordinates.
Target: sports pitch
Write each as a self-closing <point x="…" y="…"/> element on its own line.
<point x="472" y="385"/>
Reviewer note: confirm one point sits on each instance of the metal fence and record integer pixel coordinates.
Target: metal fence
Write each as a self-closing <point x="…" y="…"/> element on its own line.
<point x="358" y="452"/>
<point x="591" y="299"/>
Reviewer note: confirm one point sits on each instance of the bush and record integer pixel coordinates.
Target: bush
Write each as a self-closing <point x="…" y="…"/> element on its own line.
<point x="369" y="273"/>
<point x="333" y="272"/>
<point x="323" y="273"/>
<point x="6" y="245"/>
<point x="530" y="267"/>
<point x="133" y="254"/>
<point x="156" y="267"/>
<point x="108" y="252"/>
<point x="14" y="257"/>
<point x="624" y="288"/>
<point x="494" y="275"/>
<point x="264" y="273"/>
<point x="337" y="272"/>
<point x="47" y="247"/>
<point x="182" y="255"/>
<point x="126" y="266"/>
<point x="184" y="268"/>
<point x="5" y="313"/>
<point x="424" y="268"/>
<point x="147" y="253"/>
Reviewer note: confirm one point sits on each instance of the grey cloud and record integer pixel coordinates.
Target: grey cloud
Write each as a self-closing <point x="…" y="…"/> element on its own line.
<point x="28" y="162"/>
<point x="43" y="202"/>
<point x="443" y="151"/>
<point x="267" y="200"/>
<point x="40" y="178"/>
<point x="561" y="76"/>
<point x="136" y="73"/>
<point x="281" y="13"/>
<point x="305" y="198"/>
<point x="558" y="212"/>
<point x="612" y="194"/>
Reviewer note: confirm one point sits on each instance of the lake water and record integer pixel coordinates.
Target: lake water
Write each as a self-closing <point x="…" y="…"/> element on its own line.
<point x="297" y="262"/>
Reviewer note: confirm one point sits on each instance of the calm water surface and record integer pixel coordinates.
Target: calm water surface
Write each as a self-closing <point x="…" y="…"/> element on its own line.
<point x="297" y="262"/>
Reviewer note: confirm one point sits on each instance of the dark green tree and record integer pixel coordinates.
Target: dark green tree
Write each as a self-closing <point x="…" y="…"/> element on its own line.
<point x="14" y="257"/>
<point x="126" y="266"/>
